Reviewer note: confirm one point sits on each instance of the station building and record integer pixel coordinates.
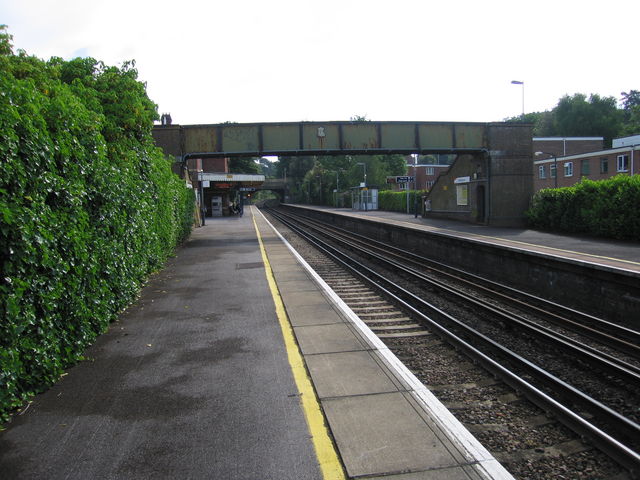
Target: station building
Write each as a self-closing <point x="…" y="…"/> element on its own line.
<point x="219" y="192"/>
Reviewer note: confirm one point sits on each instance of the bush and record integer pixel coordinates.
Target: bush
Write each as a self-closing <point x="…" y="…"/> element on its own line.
<point x="606" y="208"/>
<point x="88" y="208"/>
<point x="397" y="201"/>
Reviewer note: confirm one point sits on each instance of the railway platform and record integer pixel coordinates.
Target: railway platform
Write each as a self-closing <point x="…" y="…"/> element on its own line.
<point x="236" y="362"/>
<point x="610" y="253"/>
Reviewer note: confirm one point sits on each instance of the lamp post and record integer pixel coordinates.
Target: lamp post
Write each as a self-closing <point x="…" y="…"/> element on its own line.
<point x="555" y="165"/>
<point x="364" y="165"/>
<point x="284" y="191"/>
<point x="365" y="172"/>
<point x="319" y="177"/>
<point x="203" y="209"/>
<point x="337" y="190"/>
<point x="518" y="82"/>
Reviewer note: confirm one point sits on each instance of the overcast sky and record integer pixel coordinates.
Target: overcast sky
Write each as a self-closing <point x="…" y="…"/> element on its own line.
<point x="291" y="60"/>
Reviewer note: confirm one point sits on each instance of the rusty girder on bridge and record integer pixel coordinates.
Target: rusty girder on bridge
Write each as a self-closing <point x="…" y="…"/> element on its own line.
<point x="321" y="138"/>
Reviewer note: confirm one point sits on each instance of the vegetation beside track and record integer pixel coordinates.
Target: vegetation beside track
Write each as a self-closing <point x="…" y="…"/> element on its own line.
<point x="88" y="208"/>
<point x="606" y="208"/>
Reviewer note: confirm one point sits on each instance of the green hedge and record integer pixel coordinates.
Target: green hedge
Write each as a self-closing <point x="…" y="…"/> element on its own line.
<point x="607" y="208"/>
<point x="397" y="201"/>
<point x="88" y="208"/>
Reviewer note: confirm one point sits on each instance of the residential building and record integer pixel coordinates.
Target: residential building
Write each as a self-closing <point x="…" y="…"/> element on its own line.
<point x="564" y="146"/>
<point x="427" y="169"/>
<point x="566" y="170"/>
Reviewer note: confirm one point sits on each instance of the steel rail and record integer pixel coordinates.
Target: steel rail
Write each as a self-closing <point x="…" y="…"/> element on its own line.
<point x="600" y="360"/>
<point x="625" y="339"/>
<point x="613" y="447"/>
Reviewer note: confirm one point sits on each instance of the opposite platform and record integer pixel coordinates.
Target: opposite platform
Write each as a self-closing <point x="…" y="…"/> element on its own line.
<point x="600" y="251"/>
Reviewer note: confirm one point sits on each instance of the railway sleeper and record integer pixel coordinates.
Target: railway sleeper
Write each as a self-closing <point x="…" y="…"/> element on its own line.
<point x="532" y="422"/>
<point x="563" y="449"/>
<point x="507" y="398"/>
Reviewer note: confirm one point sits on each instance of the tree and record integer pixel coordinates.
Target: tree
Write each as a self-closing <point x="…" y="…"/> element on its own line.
<point x="267" y="167"/>
<point x="631" y="112"/>
<point x="631" y="99"/>
<point x="578" y="117"/>
<point x="5" y="41"/>
<point x="543" y="122"/>
<point x="243" y="165"/>
<point x="593" y="116"/>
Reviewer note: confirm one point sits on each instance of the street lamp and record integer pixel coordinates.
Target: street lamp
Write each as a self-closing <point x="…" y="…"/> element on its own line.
<point x="365" y="172"/>
<point x="337" y="190"/>
<point x="555" y="165"/>
<point x="518" y="82"/>
<point x="203" y="209"/>
<point x="319" y="177"/>
<point x="366" y="198"/>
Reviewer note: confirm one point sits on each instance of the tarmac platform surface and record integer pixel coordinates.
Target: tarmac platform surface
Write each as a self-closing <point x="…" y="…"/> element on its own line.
<point x="191" y="382"/>
<point x="200" y="378"/>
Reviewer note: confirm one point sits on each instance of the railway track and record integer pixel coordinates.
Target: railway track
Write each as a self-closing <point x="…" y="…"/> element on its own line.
<point x="416" y="325"/>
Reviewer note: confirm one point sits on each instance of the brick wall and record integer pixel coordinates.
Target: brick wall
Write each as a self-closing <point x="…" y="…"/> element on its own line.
<point x="594" y="166"/>
<point x="567" y="145"/>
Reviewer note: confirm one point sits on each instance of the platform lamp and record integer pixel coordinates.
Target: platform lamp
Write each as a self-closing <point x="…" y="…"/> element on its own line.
<point x="364" y="165"/>
<point x="337" y="190"/>
<point x="518" y="82"/>
<point x="203" y="209"/>
<point x="555" y="165"/>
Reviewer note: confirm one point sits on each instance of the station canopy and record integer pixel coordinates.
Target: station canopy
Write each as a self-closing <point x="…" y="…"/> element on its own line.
<point x="231" y="180"/>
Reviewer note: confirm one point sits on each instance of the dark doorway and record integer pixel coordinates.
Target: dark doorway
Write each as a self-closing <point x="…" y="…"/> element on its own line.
<point x="481" y="204"/>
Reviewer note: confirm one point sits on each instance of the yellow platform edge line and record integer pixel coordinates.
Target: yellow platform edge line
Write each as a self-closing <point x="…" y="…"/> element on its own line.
<point x="330" y="464"/>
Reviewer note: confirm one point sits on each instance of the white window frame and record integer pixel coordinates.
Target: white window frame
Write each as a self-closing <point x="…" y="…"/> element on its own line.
<point x="542" y="172"/>
<point x="568" y="169"/>
<point x="430" y="170"/>
<point x="553" y="171"/>
<point x="622" y="163"/>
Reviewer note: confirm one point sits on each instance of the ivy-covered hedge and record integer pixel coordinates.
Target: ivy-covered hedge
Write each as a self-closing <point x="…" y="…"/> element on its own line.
<point x="606" y="208"/>
<point x="397" y="201"/>
<point x="88" y="208"/>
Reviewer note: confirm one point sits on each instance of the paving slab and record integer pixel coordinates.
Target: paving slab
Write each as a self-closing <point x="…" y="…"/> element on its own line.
<point x="347" y="374"/>
<point x="294" y="298"/>
<point x="382" y="434"/>
<point x="292" y="276"/>
<point x="314" y="314"/>
<point x="331" y="338"/>
<point x="452" y="473"/>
